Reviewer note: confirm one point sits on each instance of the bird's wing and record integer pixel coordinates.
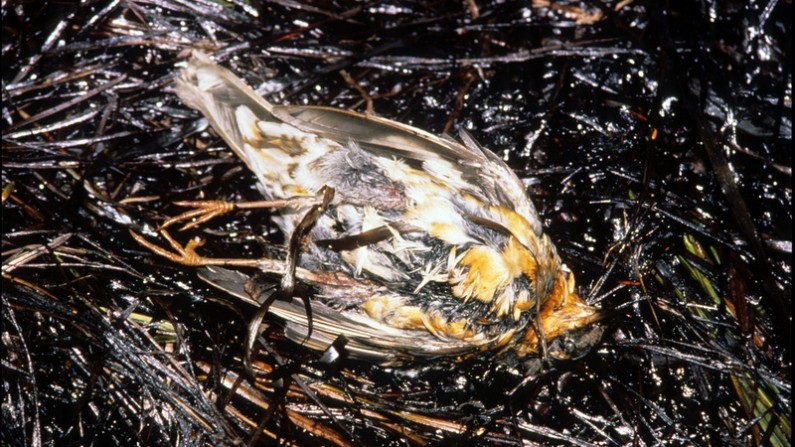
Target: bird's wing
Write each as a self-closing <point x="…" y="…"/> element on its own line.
<point x="367" y="338"/>
<point x="221" y="97"/>
<point x="489" y="177"/>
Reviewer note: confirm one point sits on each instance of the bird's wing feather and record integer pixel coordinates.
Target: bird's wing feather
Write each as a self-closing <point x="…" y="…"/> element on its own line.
<point x="217" y="93"/>
<point x="367" y="338"/>
<point x="220" y="95"/>
<point x="490" y="177"/>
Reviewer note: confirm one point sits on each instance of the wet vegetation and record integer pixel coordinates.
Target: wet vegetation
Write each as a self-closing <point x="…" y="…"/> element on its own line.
<point x="654" y="138"/>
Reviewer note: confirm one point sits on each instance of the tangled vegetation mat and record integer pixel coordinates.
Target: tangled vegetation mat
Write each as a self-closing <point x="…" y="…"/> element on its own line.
<point x="654" y="138"/>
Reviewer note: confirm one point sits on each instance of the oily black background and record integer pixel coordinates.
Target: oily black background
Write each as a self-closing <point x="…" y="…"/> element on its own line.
<point x="654" y="138"/>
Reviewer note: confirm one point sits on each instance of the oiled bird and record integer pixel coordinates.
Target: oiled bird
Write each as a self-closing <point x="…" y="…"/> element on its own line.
<point x="429" y="247"/>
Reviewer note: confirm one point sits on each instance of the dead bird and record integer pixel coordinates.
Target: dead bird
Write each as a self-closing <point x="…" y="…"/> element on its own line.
<point x="419" y="246"/>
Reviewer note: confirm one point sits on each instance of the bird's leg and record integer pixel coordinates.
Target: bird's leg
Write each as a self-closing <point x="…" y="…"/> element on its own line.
<point x="287" y="284"/>
<point x="298" y="239"/>
<point x="205" y="210"/>
<point x="186" y="255"/>
<point x="301" y="236"/>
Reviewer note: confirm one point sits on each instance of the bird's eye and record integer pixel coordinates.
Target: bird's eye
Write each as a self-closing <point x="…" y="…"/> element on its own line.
<point x="569" y="346"/>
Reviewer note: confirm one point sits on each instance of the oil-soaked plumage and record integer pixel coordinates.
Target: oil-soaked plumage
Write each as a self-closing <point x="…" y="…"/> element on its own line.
<point x="429" y="247"/>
